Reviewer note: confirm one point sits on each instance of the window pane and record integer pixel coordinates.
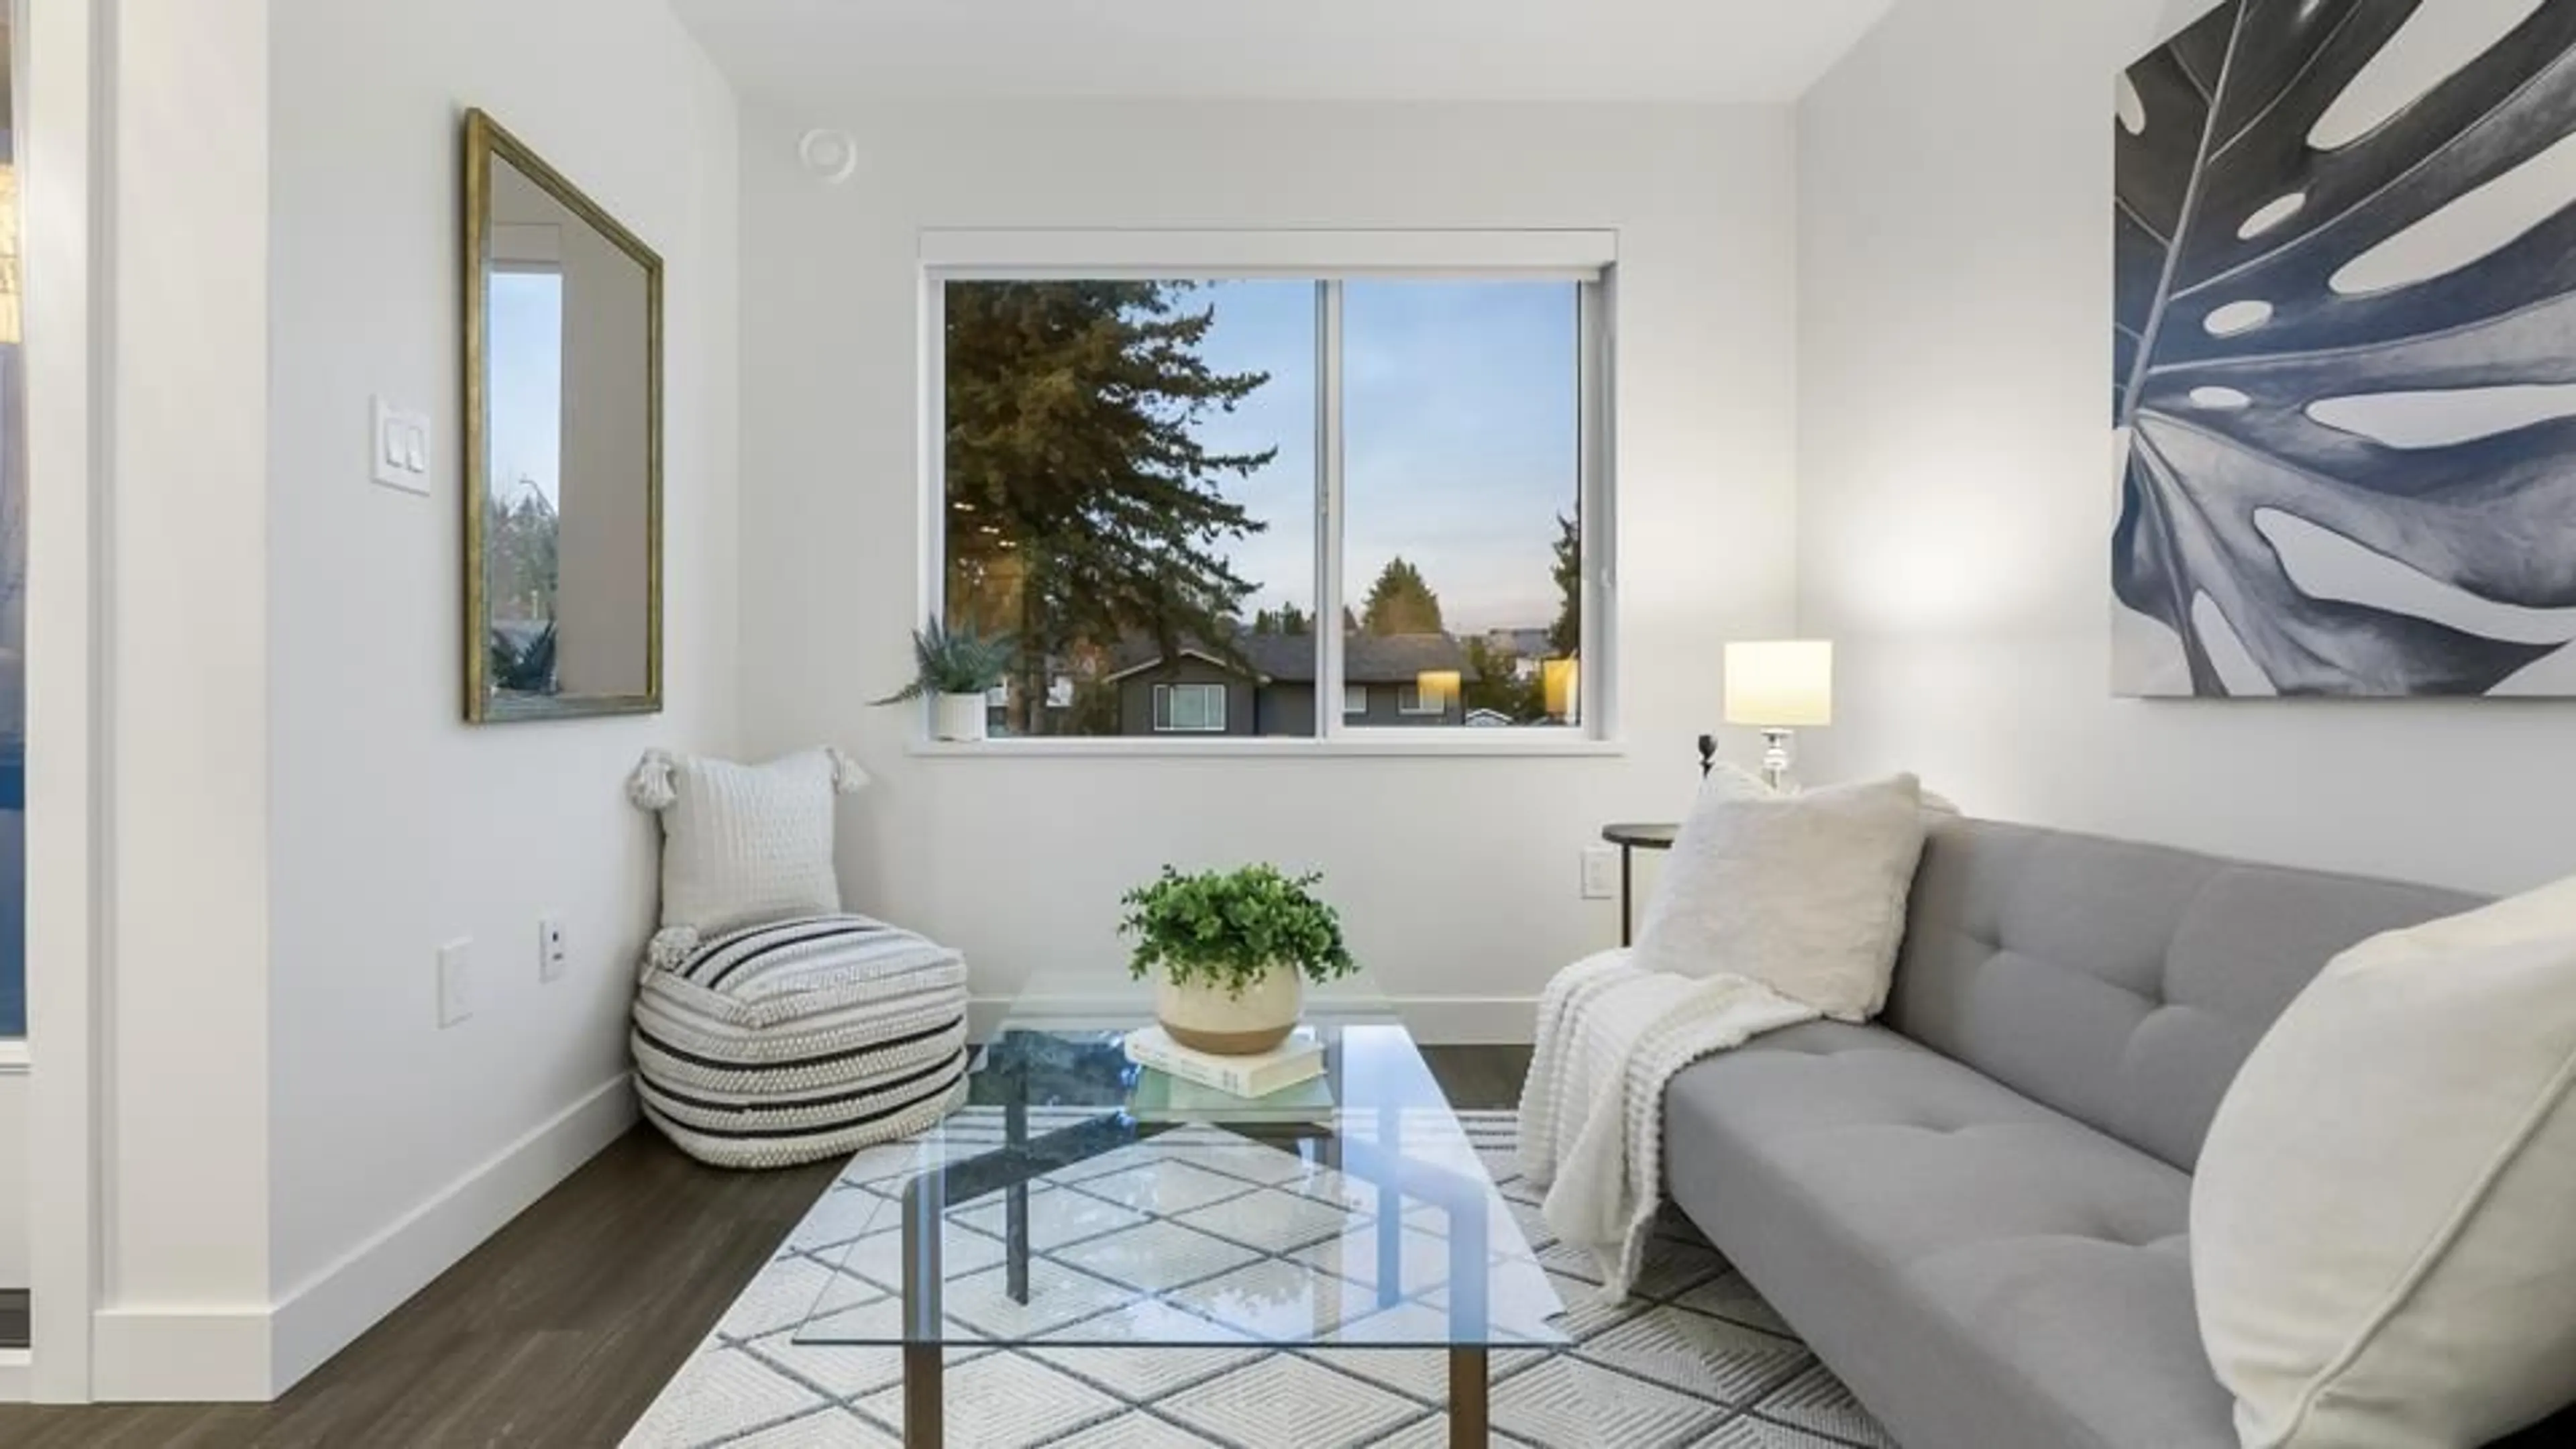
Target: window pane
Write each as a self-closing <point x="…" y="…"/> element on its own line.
<point x="13" y="590"/>
<point x="524" y="331"/>
<point x="1462" y="483"/>
<point x="1130" y="476"/>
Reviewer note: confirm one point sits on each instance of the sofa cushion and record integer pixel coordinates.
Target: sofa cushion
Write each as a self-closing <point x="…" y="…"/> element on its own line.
<point x="2122" y="984"/>
<point x="1984" y="1272"/>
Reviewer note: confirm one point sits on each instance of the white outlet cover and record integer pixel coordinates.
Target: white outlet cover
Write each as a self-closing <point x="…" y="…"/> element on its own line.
<point x="551" y="955"/>
<point x="455" y="982"/>
<point x="1600" y="873"/>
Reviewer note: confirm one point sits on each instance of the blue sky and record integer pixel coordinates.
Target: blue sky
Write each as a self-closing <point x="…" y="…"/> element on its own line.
<point x="524" y="315"/>
<point x="1459" y="430"/>
<point x="1460" y="444"/>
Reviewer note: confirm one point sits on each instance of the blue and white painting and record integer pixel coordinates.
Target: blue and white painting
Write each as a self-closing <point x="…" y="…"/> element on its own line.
<point x="2345" y="352"/>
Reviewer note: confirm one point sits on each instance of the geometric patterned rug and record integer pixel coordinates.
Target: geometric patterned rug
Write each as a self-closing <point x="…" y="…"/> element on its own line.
<point x="1694" y="1358"/>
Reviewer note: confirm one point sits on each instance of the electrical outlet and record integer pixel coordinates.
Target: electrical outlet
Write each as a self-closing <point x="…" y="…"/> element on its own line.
<point x="1600" y="873"/>
<point x="455" y="982"/>
<point x="550" y="949"/>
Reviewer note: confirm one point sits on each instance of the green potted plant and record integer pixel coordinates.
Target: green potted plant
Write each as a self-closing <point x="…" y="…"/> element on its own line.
<point x="1231" y="952"/>
<point x="957" y="670"/>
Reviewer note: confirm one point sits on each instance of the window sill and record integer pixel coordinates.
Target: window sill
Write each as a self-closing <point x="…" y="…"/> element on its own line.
<point x="1341" y="747"/>
<point x="14" y="1060"/>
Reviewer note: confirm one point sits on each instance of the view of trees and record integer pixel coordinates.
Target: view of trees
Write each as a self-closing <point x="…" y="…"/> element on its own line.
<point x="521" y="569"/>
<point x="1565" y="636"/>
<point x="1088" y="513"/>
<point x="1082" y="507"/>
<point x="520" y="556"/>
<point x="1495" y="682"/>
<point x="1287" y="620"/>
<point x="1401" y="603"/>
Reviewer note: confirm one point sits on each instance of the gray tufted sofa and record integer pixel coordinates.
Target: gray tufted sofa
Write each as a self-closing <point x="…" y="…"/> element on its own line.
<point x="1976" y="1210"/>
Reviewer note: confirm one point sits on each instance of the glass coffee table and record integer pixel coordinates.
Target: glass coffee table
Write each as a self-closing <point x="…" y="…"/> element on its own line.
<point x="1046" y="1214"/>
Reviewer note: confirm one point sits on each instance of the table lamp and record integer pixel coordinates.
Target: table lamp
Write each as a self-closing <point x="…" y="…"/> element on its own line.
<point x="1779" y="687"/>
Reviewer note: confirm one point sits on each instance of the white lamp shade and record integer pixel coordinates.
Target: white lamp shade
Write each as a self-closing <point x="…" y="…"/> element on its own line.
<point x="1784" y="684"/>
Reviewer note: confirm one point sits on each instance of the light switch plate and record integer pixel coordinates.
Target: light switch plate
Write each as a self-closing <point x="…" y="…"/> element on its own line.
<point x="455" y="982"/>
<point x="398" y="448"/>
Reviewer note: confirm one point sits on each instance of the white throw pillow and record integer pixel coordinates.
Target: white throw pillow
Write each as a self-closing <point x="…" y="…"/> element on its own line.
<point x="2383" y="1220"/>
<point x="742" y="844"/>
<point x="1802" y="892"/>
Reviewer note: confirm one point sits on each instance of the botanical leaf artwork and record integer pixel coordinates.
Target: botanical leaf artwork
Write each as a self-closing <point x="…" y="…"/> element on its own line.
<point x="2345" y="352"/>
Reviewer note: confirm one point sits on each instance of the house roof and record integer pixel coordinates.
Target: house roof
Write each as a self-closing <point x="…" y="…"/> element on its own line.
<point x="1290" y="658"/>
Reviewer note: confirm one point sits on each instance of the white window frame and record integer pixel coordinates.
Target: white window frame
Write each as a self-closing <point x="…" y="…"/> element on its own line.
<point x="1408" y="701"/>
<point x="1166" y="702"/>
<point x="1354" y="692"/>
<point x="1587" y="259"/>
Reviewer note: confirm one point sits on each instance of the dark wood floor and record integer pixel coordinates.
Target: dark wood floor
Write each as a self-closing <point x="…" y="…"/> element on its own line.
<point x="560" y="1330"/>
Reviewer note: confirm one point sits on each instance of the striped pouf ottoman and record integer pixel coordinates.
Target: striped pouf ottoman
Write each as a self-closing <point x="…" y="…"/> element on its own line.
<point x="799" y="1039"/>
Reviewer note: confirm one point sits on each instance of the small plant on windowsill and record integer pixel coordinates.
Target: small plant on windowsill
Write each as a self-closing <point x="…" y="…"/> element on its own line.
<point x="1231" y="952"/>
<point x="957" y="670"/>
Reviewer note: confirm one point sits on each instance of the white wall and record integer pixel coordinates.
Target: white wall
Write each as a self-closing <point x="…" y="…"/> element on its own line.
<point x="1457" y="878"/>
<point x="184" y="1127"/>
<point x="15" y="1216"/>
<point x="1957" y="492"/>
<point x="395" y="826"/>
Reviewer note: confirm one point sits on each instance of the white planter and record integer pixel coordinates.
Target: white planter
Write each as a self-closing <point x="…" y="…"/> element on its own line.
<point x="957" y="717"/>
<point x="1211" y="1019"/>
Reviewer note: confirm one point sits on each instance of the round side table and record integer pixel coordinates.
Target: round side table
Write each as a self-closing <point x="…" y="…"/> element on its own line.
<point x="1631" y="838"/>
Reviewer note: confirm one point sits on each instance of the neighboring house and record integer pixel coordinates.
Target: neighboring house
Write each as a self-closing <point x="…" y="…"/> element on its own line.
<point x="1202" y="693"/>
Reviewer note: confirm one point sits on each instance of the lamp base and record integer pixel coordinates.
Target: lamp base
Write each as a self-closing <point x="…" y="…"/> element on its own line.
<point x="1775" y="760"/>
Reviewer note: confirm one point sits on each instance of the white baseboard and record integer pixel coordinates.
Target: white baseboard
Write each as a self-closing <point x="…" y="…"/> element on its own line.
<point x="1434" y="1020"/>
<point x="201" y="1354"/>
<point x="326" y="1312"/>
<point x="1470" y="1020"/>
<point x="179" y="1354"/>
<point x="17" y="1375"/>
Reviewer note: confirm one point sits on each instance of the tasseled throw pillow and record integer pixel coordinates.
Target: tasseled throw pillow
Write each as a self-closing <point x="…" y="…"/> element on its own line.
<point x="741" y="844"/>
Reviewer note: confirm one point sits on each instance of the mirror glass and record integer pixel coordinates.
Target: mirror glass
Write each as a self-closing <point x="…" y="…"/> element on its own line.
<point x="564" y="490"/>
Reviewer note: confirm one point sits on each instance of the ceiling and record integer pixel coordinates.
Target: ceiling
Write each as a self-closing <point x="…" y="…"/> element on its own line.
<point x="832" y="52"/>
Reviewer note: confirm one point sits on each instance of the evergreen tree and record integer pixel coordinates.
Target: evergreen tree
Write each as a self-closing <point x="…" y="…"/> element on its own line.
<point x="1081" y="506"/>
<point x="1401" y="603"/>
<point x="1565" y="636"/>
<point x="520" y="555"/>
<point x="1294" y="623"/>
<point x="1492" y="685"/>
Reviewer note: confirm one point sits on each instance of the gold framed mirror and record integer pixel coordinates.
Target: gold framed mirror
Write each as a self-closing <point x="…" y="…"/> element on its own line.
<point x="563" y="445"/>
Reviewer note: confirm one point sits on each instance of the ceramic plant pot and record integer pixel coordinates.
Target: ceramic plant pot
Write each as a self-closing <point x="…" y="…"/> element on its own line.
<point x="957" y="717"/>
<point x="1212" y="1019"/>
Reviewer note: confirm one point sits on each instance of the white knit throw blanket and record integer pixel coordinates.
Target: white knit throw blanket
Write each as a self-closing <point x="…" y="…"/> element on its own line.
<point x="1611" y="1035"/>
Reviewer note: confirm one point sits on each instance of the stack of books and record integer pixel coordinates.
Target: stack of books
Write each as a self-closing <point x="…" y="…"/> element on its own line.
<point x="1181" y="1084"/>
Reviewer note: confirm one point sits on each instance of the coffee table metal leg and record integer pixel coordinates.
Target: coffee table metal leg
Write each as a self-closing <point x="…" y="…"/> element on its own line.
<point x="1468" y="1421"/>
<point x="924" y="1398"/>
<point x="925" y="1208"/>
<point x="1390" y="1215"/>
<point x="1015" y="1224"/>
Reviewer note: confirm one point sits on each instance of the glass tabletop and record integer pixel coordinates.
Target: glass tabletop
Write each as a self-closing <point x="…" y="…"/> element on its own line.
<point x="1058" y="1209"/>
